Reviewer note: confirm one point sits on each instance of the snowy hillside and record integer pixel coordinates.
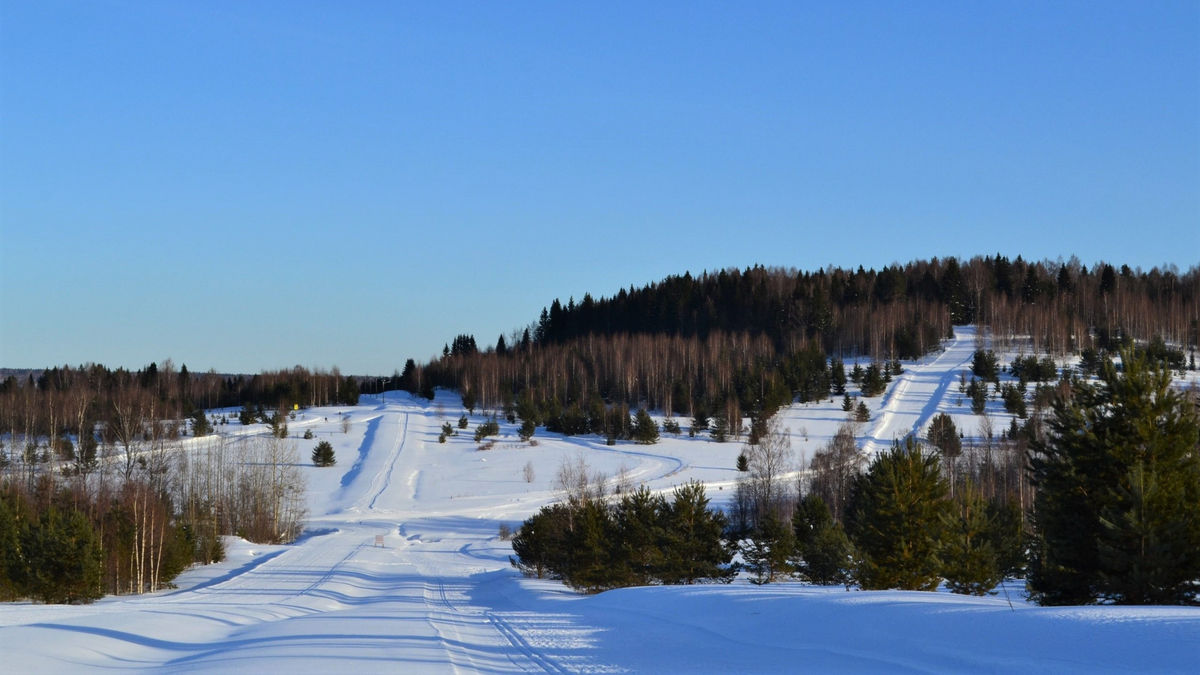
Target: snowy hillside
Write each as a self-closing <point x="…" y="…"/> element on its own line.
<point x="440" y="596"/>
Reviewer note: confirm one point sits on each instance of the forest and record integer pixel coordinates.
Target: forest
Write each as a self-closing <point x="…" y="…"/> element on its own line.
<point x="742" y="343"/>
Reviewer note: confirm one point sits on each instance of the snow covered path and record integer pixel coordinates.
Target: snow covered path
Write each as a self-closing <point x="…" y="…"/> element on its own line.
<point x="440" y="596"/>
<point x="918" y="393"/>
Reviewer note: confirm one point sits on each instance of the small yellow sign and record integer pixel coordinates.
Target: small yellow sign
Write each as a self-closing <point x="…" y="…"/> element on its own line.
<point x="295" y="406"/>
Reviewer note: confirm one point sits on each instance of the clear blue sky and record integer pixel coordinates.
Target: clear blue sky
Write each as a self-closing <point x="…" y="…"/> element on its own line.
<point x="243" y="186"/>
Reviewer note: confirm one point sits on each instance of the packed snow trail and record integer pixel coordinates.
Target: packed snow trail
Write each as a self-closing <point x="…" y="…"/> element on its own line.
<point x="915" y="396"/>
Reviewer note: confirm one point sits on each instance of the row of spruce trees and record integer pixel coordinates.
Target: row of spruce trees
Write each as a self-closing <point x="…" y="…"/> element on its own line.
<point x="593" y="544"/>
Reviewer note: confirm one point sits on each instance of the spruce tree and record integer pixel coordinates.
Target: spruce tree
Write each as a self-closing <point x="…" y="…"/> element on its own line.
<point x="862" y="413"/>
<point x="896" y="518"/>
<point x="943" y="435"/>
<point x="872" y="381"/>
<point x="837" y="376"/>
<point x="200" y="424"/>
<point x="526" y="430"/>
<point x="1117" y="509"/>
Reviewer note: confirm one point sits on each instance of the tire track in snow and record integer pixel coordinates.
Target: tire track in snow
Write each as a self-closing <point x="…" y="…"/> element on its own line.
<point x="521" y="644"/>
<point x="957" y="353"/>
<point x="505" y="629"/>
<point x="392" y="459"/>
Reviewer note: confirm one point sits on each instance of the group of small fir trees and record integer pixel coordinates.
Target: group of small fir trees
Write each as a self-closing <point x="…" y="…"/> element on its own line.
<point x="901" y="530"/>
<point x="593" y="543"/>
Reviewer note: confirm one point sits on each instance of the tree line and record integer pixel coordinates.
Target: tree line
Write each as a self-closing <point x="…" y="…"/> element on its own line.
<point x="70" y="410"/>
<point x="743" y="342"/>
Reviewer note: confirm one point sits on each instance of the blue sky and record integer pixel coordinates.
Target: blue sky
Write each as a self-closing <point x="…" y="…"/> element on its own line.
<point x="242" y="186"/>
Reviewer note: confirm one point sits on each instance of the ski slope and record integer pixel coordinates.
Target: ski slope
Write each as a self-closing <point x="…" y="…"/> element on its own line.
<point x="439" y="595"/>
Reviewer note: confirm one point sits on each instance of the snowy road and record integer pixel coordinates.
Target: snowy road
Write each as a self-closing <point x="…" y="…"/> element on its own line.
<point x="919" y="393"/>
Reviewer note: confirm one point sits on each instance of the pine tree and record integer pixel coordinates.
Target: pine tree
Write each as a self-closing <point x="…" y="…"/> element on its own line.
<point x="527" y="429"/>
<point x="824" y="554"/>
<point x="719" y="430"/>
<point x="694" y="549"/>
<point x="590" y="547"/>
<point x="541" y="543"/>
<point x="645" y="431"/>
<point x="769" y="551"/>
<point x="895" y="519"/>
<point x="322" y="454"/>
<point x="1117" y="508"/>
<point x="61" y="557"/>
<point x="640" y="535"/>
<point x="970" y="563"/>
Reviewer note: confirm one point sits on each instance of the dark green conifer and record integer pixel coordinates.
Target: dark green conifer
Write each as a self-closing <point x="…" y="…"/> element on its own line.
<point x="645" y="431"/>
<point x="896" y="517"/>
<point x="769" y="550"/>
<point x="824" y="554"/>
<point x="322" y="454"/>
<point x="970" y="563"/>
<point x="1117" y="508"/>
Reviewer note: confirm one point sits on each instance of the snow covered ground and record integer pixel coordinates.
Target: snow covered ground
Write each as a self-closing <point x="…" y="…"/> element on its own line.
<point x="440" y="596"/>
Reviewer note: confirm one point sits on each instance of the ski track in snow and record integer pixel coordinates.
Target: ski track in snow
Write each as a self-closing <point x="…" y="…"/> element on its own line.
<point x="916" y="394"/>
<point x="440" y="596"/>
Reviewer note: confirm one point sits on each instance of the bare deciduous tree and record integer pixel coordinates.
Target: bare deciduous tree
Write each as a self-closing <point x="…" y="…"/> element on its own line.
<point x="768" y="461"/>
<point x="834" y="467"/>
